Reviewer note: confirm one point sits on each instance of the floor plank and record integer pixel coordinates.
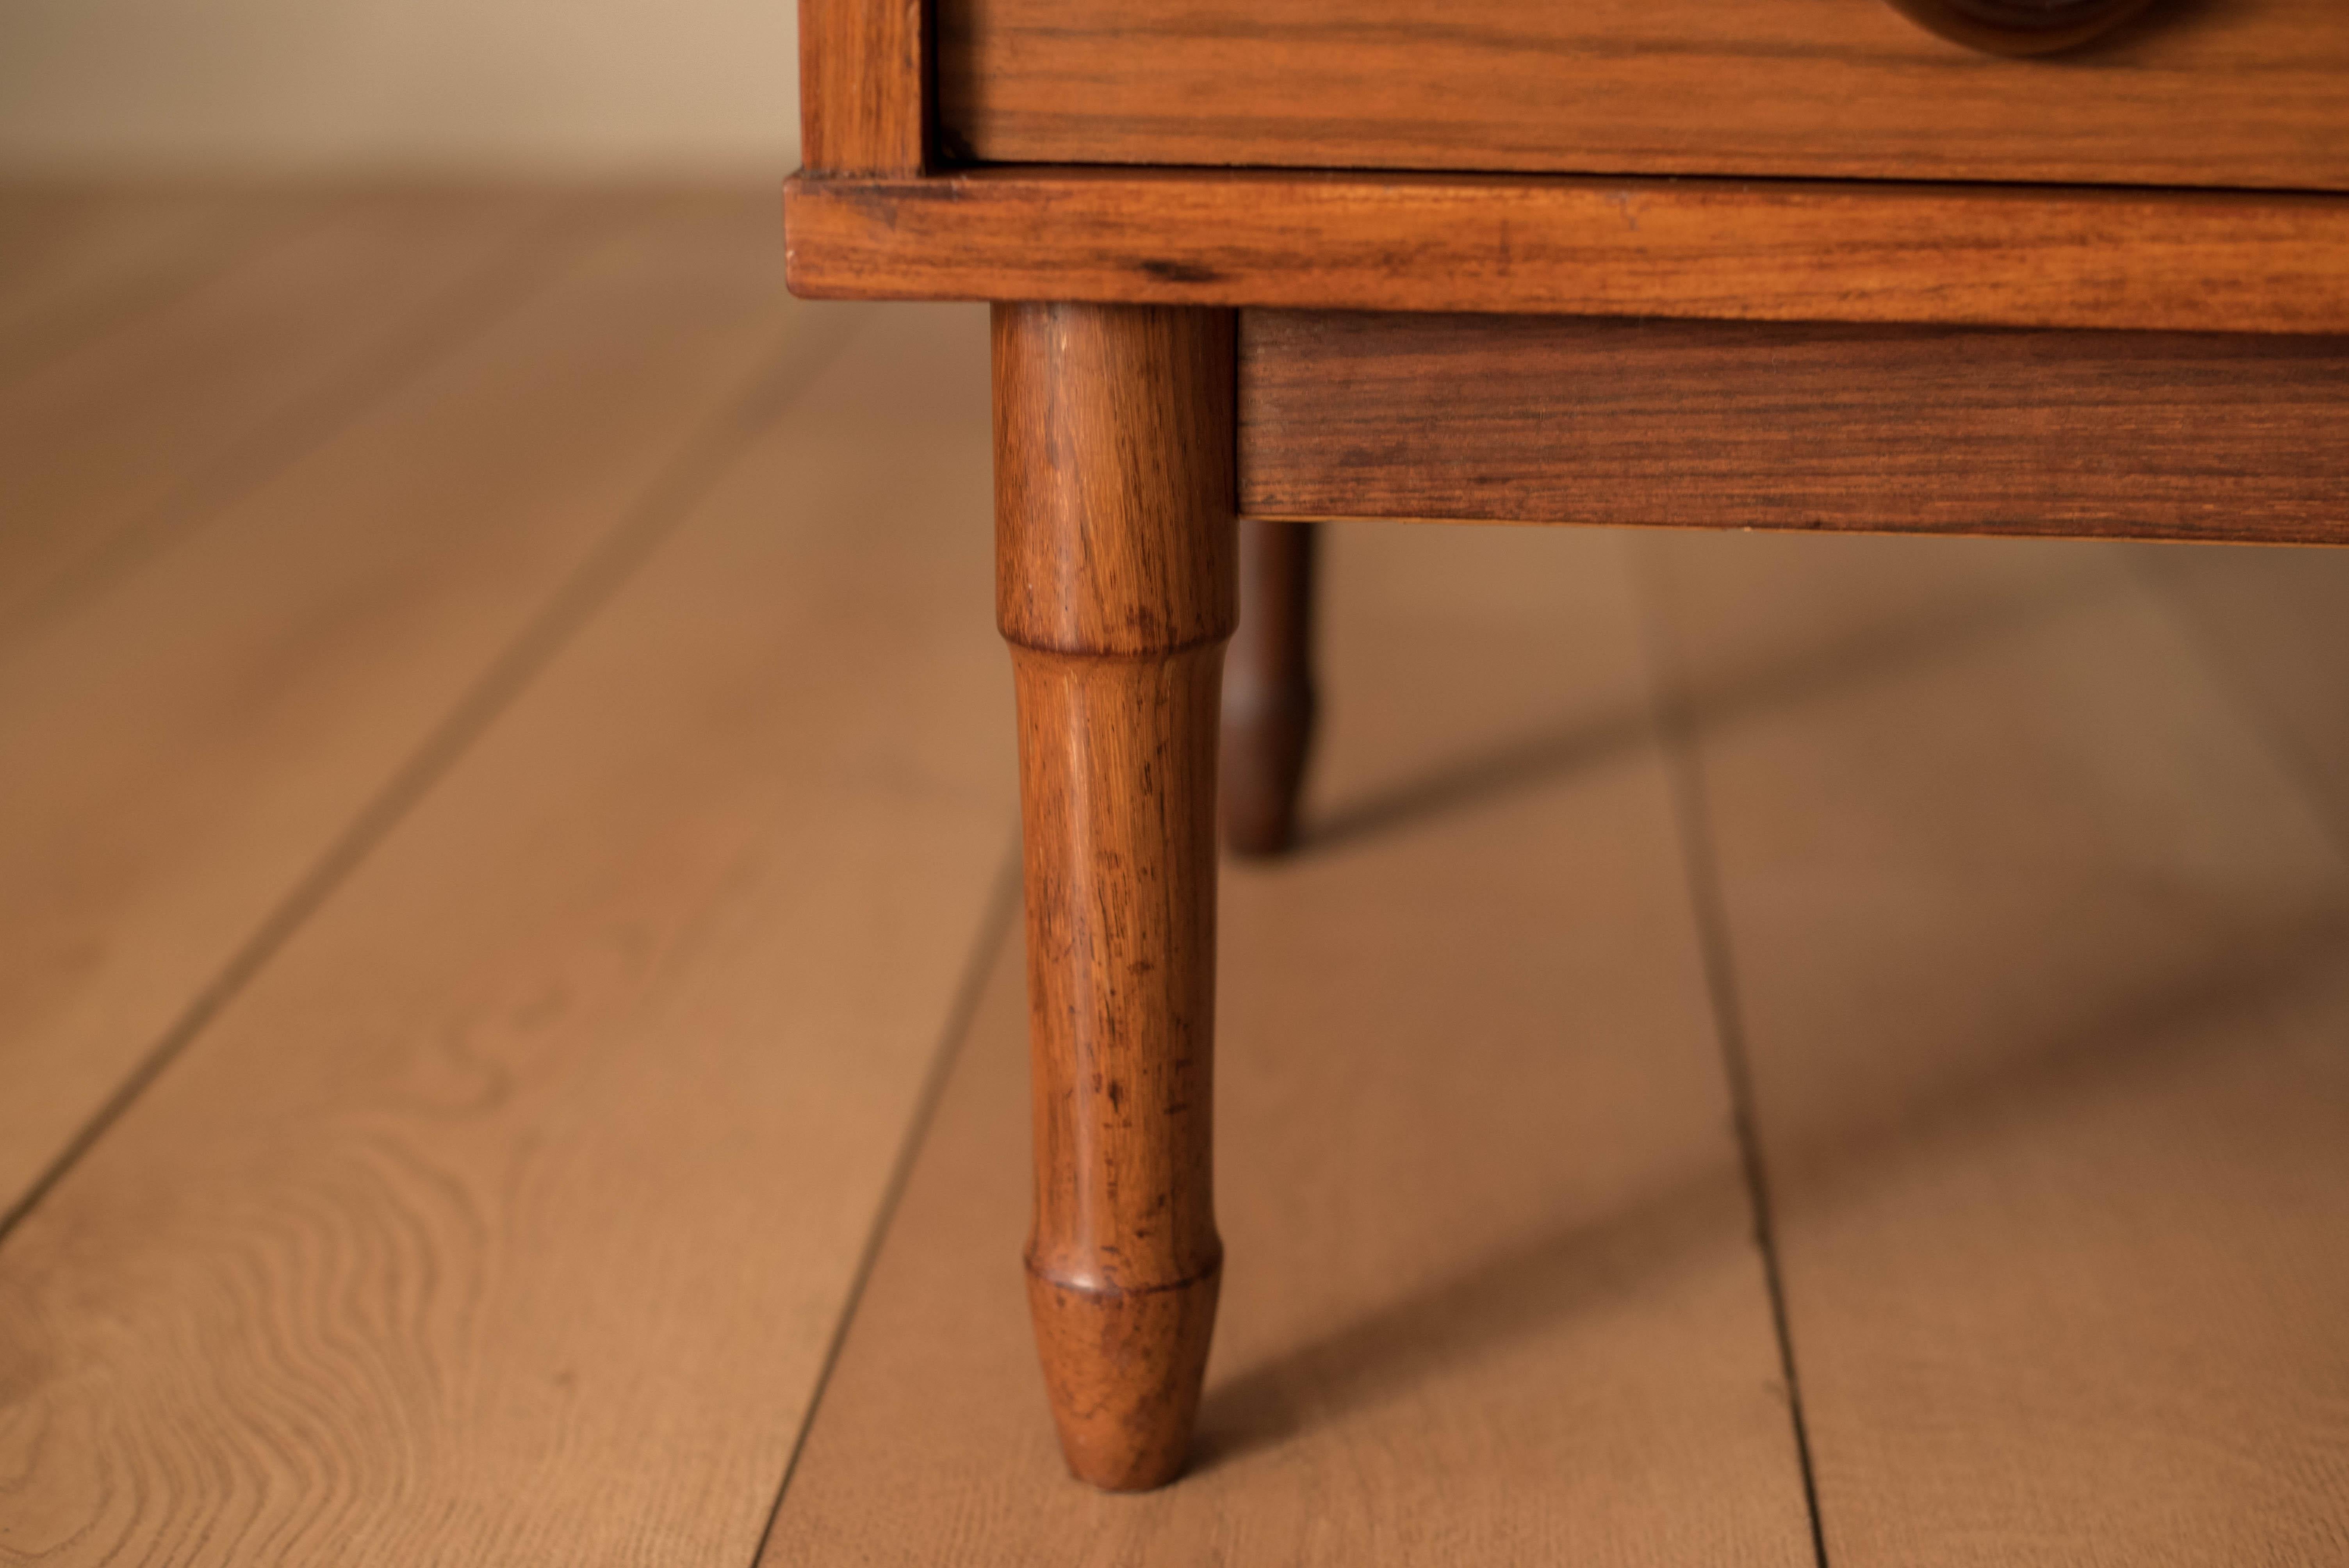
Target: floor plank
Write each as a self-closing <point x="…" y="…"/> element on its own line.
<point x="75" y="260"/>
<point x="507" y="1216"/>
<point x="2043" y="963"/>
<point x="192" y="742"/>
<point x="1490" y="1295"/>
<point x="152" y="426"/>
<point x="2275" y="624"/>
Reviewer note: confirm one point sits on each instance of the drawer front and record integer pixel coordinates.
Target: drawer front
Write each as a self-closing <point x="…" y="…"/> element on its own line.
<point x="2219" y="93"/>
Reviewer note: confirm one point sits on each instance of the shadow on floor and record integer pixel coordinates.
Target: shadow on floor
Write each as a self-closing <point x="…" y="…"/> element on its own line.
<point x="1534" y="760"/>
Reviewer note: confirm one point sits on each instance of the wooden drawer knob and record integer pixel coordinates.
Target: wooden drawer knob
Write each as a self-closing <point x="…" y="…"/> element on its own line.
<point x="2020" y="27"/>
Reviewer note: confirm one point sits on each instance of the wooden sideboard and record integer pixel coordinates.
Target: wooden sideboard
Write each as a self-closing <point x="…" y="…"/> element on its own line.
<point x="1972" y="266"/>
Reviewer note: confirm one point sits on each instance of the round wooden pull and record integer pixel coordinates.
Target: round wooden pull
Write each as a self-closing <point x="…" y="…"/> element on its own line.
<point x="2020" y="27"/>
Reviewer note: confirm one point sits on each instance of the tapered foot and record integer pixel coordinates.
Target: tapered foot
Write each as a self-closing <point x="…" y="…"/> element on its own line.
<point x="1269" y="697"/>
<point x="1124" y="1370"/>
<point x="1117" y="589"/>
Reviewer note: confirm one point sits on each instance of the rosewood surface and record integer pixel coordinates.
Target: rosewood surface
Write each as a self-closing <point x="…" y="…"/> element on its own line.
<point x="2229" y="93"/>
<point x="1908" y="429"/>
<point x="1269" y="701"/>
<point x="1772" y="251"/>
<point x="864" y="86"/>
<point x="1117" y="588"/>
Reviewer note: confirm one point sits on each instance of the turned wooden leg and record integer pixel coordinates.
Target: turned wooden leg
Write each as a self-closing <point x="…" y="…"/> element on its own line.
<point x="1116" y="587"/>
<point x="1268" y="702"/>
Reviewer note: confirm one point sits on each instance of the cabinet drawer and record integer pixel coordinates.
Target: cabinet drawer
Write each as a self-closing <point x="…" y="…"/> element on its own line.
<point x="2225" y="93"/>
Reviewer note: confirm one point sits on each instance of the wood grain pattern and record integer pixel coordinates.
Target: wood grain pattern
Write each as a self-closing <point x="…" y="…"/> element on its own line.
<point x="2179" y="260"/>
<point x="145" y="430"/>
<point x="189" y="743"/>
<point x="2246" y="93"/>
<point x="1116" y="587"/>
<point x="1885" y="430"/>
<point x="507" y="1216"/>
<point x="2042" y="957"/>
<point x="1269" y="702"/>
<point x="864" y="72"/>
<point x="1494" y="1296"/>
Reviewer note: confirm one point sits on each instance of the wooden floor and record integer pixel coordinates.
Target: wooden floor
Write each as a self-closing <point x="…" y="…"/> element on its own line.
<point x="1776" y="1049"/>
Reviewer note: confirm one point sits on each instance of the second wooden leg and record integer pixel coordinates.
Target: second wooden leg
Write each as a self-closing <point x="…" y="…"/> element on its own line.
<point x="1269" y="697"/>
<point x="1117" y="588"/>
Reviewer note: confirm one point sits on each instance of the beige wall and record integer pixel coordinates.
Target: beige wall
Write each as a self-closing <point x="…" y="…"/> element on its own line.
<point x="586" y="87"/>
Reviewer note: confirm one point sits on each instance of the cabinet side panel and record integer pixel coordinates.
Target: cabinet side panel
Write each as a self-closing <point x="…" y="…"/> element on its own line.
<point x="863" y="86"/>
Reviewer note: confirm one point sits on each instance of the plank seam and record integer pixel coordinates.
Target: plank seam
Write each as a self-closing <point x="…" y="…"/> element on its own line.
<point x="1691" y="811"/>
<point x="458" y="318"/>
<point x="659" y="509"/>
<point x="996" y="920"/>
